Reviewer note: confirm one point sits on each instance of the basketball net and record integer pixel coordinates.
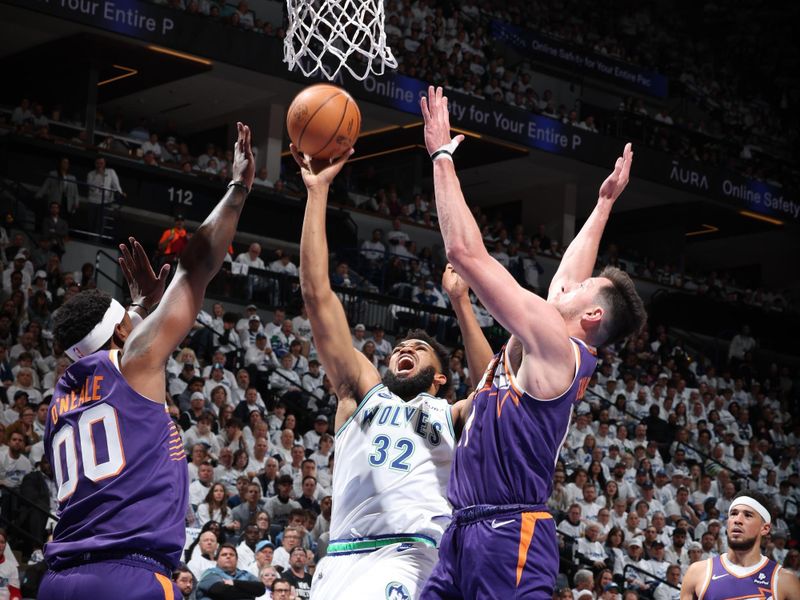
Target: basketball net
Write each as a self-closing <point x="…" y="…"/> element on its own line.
<point x="326" y="35"/>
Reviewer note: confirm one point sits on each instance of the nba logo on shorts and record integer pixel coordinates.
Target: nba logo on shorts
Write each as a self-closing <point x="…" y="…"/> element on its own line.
<point x="397" y="591"/>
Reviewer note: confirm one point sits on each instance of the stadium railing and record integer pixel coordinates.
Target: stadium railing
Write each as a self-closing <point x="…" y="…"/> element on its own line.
<point x="646" y="577"/>
<point x="707" y="458"/>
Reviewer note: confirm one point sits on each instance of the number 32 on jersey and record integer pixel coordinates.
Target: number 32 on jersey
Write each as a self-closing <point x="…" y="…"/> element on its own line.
<point x="396" y="454"/>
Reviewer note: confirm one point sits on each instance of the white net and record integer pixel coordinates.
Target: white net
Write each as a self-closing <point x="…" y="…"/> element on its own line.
<point x="328" y="35"/>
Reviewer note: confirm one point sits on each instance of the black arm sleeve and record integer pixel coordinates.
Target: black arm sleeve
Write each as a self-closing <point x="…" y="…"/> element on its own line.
<point x="240" y="590"/>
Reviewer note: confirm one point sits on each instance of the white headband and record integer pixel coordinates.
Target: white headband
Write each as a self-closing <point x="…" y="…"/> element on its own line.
<point x="100" y="334"/>
<point x="754" y="504"/>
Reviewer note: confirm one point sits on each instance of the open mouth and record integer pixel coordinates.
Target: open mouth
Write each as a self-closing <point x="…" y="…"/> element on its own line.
<point x="405" y="364"/>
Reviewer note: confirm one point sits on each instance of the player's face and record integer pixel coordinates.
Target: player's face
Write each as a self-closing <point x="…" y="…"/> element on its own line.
<point x="411" y="356"/>
<point x="745" y="527"/>
<point x="413" y="369"/>
<point x="573" y="299"/>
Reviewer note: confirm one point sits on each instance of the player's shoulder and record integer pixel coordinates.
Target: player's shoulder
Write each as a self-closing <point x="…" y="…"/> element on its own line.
<point x="697" y="572"/>
<point x="788" y="584"/>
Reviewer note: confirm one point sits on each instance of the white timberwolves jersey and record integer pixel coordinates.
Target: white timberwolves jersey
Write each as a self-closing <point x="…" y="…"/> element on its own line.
<point x="392" y="466"/>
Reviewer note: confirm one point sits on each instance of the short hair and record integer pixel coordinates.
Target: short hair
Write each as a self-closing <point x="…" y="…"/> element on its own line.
<point x="584" y="576"/>
<point x="226" y="545"/>
<point x="180" y="570"/>
<point x="78" y="316"/>
<point x="442" y="355"/>
<point x="622" y="301"/>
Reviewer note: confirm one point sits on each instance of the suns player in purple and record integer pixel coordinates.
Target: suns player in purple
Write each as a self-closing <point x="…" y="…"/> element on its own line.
<point x="117" y="457"/>
<point x="503" y="468"/>
<point x="742" y="573"/>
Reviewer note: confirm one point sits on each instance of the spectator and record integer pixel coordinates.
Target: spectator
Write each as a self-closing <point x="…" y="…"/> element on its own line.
<point x="297" y="575"/>
<point x="104" y="187"/>
<point x="152" y="146"/>
<point x="214" y="507"/>
<point x="671" y="589"/>
<point x="173" y="241"/>
<point x="279" y="506"/>
<point x="224" y="576"/>
<point x="248" y="510"/>
<point x="281" y="589"/>
<point x="61" y="188"/>
<point x="9" y="572"/>
<point x="262" y="179"/>
<point x="741" y="344"/>
<point x="55" y="228"/>
<point x="185" y="581"/>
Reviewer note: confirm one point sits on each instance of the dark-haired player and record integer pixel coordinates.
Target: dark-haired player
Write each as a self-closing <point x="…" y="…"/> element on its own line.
<point x="742" y="573"/>
<point x="504" y="463"/>
<point x="117" y="457"/>
<point x="394" y="436"/>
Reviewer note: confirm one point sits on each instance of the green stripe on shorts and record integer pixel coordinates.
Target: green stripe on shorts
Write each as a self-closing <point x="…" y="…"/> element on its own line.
<point x="363" y="545"/>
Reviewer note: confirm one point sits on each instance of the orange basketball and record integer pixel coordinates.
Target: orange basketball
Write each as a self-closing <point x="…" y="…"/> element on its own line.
<point x="323" y="121"/>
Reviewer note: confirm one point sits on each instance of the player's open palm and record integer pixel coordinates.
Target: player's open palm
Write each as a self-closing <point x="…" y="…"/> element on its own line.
<point x="145" y="288"/>
<point x="318" y="172"/>
<point x="437" y="120"/>
<point x="244" y="163"/>
<point x="615" y="183"/>
<point x="453" y="284"/>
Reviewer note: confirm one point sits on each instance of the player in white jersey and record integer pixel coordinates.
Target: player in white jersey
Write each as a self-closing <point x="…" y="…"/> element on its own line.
<point x="394" y="437"/>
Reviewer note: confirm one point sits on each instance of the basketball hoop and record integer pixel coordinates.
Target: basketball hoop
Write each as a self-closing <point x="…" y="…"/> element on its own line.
<point x="326" y="35"/>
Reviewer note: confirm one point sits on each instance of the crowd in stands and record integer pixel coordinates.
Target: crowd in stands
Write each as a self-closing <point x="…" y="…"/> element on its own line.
<point x="729" y="121"/>
<point x="661" y="442"/>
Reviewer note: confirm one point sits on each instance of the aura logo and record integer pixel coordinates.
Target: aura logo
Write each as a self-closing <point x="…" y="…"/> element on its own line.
<point x="397" y="591"/>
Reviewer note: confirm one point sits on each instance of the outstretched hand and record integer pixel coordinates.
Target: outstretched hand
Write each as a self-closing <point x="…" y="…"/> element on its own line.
<point x="146" y="289"/>
<point x="614" y="185"/>
<point x="437" y="120"/>
<point x="453" y="284"/>
<point x="244" y="163"/>
<point x="318" y="172"/>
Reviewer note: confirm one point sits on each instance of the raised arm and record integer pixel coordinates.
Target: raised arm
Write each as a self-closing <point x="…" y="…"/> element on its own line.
<point x="150" y="344"/>
<point x="479" y="352"/>
<point x="533" y="321"/>
<point x="350" y="372"/>
<point x="578" y="261"/>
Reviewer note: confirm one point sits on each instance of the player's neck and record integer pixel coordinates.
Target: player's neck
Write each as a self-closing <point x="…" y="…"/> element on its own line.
<point x="744" y="558"/>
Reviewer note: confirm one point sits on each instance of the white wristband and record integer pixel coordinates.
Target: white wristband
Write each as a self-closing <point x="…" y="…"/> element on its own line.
<point x="446" y="151"/>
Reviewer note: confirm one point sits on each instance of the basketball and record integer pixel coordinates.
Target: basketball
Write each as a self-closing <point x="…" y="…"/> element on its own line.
<point x="323" y="121"/>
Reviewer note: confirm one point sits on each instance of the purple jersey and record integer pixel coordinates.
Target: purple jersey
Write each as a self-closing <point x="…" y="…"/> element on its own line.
<point x="119" y="467"/>
<point x="510" y="443"/>
<point x="759" y="583"/>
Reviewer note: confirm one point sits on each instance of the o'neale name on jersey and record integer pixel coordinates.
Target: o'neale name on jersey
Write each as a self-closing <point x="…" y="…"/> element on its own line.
<point x="90" y="392"/>
<point x="398" y="416"/>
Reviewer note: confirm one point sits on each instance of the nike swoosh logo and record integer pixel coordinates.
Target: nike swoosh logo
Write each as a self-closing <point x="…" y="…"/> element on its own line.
<point x="715" y="577"/>
<point x="496" y="523"/>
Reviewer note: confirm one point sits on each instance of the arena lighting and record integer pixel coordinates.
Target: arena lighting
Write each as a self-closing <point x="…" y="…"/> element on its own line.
<point x="456" y="129"/>
<point x="385" y="152"/>
<point x="183" y="55"/>
<point x="705" y="229"/>
<point x="128" y="72"/>
<point x="752" y="215"/>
